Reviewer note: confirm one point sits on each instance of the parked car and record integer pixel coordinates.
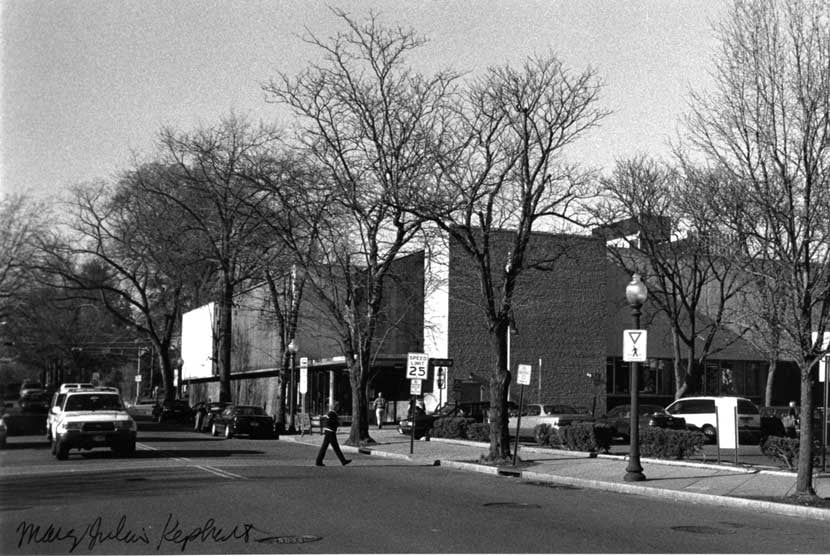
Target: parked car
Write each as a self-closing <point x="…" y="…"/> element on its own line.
<point x="423" y="421"/>
<point x="29" y="385"/>
<point x="3" y="432"/>
<point x="27" y="415"/>
<point x="238" y="420"/>
<point x="555" y="415"/>
<point x="142" y="410"/>
<point x="700" y="412"/>
<point x="618" y="419"/>
<point x="176" y="410"/>
<point x="90" y="419"/>
<point x="213" y="410"/>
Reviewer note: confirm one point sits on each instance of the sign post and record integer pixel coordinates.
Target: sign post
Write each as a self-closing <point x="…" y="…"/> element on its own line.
<point x="417" y="369"/>
<point x="823" y="377"/>
<point x="303" y="381"/>
<point x="522" y="378"/>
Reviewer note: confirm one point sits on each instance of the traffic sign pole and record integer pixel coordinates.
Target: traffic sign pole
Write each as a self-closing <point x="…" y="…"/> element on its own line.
<point x="518" y="424"/>
<point x="523" y="378"/>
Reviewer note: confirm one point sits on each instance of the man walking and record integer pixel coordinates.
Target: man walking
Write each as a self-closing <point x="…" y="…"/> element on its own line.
<point x="380" y="408"/>
<point x="330" y="437"/>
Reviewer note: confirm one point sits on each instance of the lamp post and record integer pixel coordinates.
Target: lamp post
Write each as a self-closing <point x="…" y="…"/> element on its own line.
<point x="636" y="294"/>
<point x="292" y="351"/>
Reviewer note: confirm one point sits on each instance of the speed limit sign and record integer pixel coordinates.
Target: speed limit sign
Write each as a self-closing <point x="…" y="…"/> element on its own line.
<point x="416" y="366"/>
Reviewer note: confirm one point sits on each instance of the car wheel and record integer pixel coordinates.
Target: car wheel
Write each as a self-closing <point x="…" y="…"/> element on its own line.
<point x="61" y="450"/>
<point x="228" y="433"/>
<point x="711" y="434"/>
<point x="213" y="430"/>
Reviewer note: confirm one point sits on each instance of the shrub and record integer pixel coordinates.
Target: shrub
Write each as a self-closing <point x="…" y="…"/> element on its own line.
<point x="656" y="442"/>
<point x="479" y="432"/>
<point x="585" y="437"/>
<point x="542" y="433"/>
<point x="785" y="450"/>
<point x="450" y="427"/>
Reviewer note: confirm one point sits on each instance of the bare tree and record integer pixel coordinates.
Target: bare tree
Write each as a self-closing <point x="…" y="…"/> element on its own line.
<point x="681" y="250"/>
<point x="127" y="255"/>
<point x="502" y="177"/>
<point x="23" y="221"/>
<point x="372" y="125"/>
<point x="767" y="124"/>
<point x="208" y="176"/>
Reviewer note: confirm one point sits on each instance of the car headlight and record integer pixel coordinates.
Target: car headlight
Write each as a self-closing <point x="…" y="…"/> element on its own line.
<point x="65" y="427"/>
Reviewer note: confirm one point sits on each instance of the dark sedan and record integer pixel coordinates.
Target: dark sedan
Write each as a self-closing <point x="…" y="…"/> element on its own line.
<point x="619" y="419"/>
<point x="250" y="420"/>
<point x="175" y="410"/>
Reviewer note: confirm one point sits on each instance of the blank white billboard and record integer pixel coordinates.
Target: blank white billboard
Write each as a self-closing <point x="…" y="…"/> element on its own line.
<point x="197" y="342"/>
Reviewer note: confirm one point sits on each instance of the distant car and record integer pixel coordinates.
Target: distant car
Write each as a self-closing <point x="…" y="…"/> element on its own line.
<point x="555" y="415"/>
<point x="27" y="415"/>
<point x="91" y="419"/>
<point x="144" y="409"/>
<point x="700" y="412"/>
<point x="250" y="420"/>
<point x="29" y="385"/>
<point x="423" y="422"/>
<point x="619" y="419"/>
<point x="176" y="410"/>
<point x="212" y="411"/>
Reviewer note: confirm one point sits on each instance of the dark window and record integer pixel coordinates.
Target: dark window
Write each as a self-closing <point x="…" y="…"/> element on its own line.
<point x="700" y="406"/>
<point x="746" y="407"/>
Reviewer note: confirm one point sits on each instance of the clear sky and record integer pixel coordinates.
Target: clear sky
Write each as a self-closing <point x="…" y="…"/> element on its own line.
<point x="85" y="83"/>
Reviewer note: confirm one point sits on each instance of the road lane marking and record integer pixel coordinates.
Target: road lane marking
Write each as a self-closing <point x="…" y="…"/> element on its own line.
<point x="190" y="463"/>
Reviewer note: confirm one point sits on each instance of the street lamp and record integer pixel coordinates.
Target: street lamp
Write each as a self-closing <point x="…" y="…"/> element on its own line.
<point x="292" y="351"/>
<point x="636" y="294"/>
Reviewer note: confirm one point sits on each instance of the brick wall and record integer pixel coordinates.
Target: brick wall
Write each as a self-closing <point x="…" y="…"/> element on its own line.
<point x="559" y="316"/>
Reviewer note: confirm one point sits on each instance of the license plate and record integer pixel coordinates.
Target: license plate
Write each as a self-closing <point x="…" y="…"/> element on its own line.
<point x="99" y="438"/>
<point x="254" y="424"/>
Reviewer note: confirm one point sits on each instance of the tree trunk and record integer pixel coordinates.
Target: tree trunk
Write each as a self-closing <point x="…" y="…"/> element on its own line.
<point x="679" y="372"/>
<point x="225" y="328"/>
<point x="358" y="379"/>
<point x="499" y="386"/>
<point x="804" y="479"/>
<point x="770" y="381"/>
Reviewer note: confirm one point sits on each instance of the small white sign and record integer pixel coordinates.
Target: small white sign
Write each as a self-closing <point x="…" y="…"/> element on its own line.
<point x="414" y="387"/>
<point x="138" y="378"/>
<point x="304" y="362"/>
<point x="303" y="380"/>
<point x="417" y="366"/>
<point x="634" y="346"/>
<point x="523" y="376"/>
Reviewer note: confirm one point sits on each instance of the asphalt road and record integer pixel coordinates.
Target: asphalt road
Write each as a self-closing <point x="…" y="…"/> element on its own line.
<point x="191" y="493"/>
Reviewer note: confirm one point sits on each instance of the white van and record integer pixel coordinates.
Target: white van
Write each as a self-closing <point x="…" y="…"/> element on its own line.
<point x="700" y="412"/>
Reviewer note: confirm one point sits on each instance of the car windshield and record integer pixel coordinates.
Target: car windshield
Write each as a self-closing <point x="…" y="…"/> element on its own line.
<point x="250" y="410"/>
<point x="93" y="402"/>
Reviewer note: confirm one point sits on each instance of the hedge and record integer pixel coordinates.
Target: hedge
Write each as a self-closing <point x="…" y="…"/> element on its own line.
<point x="785" y="450"/>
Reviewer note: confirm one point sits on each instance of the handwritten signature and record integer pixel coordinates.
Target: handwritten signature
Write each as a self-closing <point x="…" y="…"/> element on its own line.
<point x="95" y="533"/>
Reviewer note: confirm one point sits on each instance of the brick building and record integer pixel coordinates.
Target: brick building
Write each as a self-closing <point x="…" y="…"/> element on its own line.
<point x="568" y="325"/>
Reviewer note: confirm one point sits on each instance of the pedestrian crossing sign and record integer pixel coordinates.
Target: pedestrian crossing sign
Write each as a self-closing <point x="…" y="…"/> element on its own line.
<point x="634" y="346"/>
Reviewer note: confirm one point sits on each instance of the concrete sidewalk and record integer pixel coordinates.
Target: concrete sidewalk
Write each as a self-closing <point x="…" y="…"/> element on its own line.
<point x="718" y="484"/>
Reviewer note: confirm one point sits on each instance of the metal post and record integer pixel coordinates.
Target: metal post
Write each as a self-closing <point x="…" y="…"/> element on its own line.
<point x="518" y="423"/>
<point x="634" y="471"/>
<point x="412" y="436"/>
<point x="291" y="429"/>
<point x="824" y="415"/>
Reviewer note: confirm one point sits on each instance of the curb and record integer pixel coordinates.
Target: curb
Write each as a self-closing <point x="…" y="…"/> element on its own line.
<point x="651" y="492"/>
<point x="622" y="488"/>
